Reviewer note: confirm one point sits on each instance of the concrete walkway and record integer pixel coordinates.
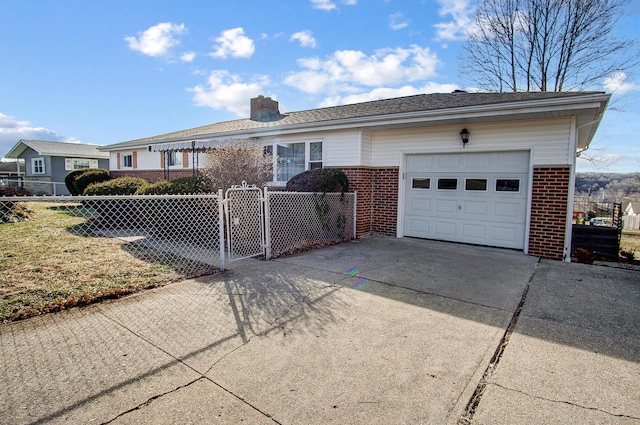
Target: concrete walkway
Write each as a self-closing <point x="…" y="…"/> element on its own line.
<point x="376" y="331"/>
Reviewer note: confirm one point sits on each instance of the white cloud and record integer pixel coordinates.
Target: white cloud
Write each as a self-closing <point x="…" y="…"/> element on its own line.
<point x="348" y="68"/>
<point x="234" y="43"/>
<point x="397" y="21"/>
<point x="323" y="4"/>
<point x="388" y="93"/>
<point x="617" y="83"/>
<point x="305" y="38"/>
<point x="226" y="91"/>
<point x="12" y="130"/>
<point x="188" y="57"/>
<point x="330" y="5"/>
<point x="157" y="40"/>
<point x="461" y="19"/>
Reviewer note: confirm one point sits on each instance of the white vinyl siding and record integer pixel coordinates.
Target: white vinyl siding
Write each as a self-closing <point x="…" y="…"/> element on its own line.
<point x="548" y="139"/>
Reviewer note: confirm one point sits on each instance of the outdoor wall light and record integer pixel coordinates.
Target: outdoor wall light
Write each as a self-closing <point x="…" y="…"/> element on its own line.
<point x="464" y="135"/>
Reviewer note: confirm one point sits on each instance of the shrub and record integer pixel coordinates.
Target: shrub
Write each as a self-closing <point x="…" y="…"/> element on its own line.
<point x="70" y="178"/>
<point x="13" y="191"/>
<point x="118" y="186"/>
<point x="324" y="180"/>
<point x="179" y="186"/>
<point x="88" y="177"/>
<point x="13" y="211"/>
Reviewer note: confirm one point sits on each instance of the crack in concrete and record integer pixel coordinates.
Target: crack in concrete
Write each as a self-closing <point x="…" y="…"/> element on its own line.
<point x="618" y="415"/>
<point x="475" y="399"/>
<point x="180" y="361"/>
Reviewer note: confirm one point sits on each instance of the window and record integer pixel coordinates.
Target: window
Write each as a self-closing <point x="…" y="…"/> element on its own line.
<point x="294" y="158"/>
<point x="507" y="185"/>
<point x="421" y="183"/>
<point x="175" y="158"/>
<point x="79" y="164"/>
<point x="315" y="155"/>
<point x="37" y="165"/>
<point x="447" y="184"/>
<point x="475" y="184"/>
<point x="127" y="161"/>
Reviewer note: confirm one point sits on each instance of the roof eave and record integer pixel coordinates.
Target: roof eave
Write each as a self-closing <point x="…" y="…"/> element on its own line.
<point x="460" y="114"/>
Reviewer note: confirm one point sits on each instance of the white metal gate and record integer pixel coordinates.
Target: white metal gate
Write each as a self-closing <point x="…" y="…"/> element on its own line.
<point x="244" y="208"/>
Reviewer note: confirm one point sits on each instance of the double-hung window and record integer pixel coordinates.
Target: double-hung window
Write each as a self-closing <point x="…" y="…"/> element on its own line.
<point x="127" y="161"/>
<point x="294" y="158"/>
<point x="37" y="165"/>
<point x="175" y="158"/>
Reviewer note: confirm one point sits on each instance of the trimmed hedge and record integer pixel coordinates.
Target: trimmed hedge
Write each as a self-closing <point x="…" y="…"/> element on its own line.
<point x="118" y="186"/>
<point x="88" y="177"/>
<point x="322" y="180"/>
<point x="179" y="186"/>
<point x="69" y="180"/>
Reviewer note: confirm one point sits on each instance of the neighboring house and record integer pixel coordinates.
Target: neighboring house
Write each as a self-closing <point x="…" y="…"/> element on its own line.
<point x="509" y="184"/>
<point x="47" y="163"/>
<point x="11" y="173"/>
<point x="632" y="209"/>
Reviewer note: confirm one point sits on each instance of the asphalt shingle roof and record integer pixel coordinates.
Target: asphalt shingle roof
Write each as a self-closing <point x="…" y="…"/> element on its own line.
<point x="386" y="107"/>
<point x="78" y="150"/>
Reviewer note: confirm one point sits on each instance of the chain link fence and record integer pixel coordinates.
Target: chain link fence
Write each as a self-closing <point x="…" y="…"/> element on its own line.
<point x="302" y="221"/>
<point x="187" y="232"/>
<point x="181" y="231"/>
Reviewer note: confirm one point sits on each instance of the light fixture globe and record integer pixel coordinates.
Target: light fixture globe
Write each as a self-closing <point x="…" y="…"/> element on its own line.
<point x="464" y="135"/>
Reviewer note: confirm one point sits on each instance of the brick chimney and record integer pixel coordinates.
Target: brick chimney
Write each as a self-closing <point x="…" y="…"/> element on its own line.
<point x="264" y="109"/>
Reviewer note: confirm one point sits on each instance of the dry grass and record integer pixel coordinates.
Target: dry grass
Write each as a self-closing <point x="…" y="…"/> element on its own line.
<point x="44" y="267"/>
<point x="630" y="242"/>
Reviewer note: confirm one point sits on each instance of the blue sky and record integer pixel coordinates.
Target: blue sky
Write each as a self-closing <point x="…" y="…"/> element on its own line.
<point x="107" y="71"/>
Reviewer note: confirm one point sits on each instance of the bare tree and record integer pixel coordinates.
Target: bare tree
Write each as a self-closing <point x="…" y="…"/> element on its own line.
<point x="545" y="45"/>
<point x="240" y="160"/>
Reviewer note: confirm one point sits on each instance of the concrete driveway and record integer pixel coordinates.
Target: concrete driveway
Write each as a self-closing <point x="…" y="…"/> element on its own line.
<point x="375" y="331"/>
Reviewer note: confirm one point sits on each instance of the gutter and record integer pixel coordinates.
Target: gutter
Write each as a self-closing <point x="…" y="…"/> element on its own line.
<point x="423" y="117"/>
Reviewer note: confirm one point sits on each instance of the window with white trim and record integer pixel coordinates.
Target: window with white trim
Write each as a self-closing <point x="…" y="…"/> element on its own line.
<point x="37" y="165"/>
<point x="294" y="158"/>
<point x="79" y="163"/>
<point x="127" y="161"/>
<point x="175" y="158"/>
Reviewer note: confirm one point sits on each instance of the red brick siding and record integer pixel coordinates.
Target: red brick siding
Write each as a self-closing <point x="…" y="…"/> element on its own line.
<point x="377" y="208"/>
<point x="549" y="200"/>
<point x="361" y="180"/>
<point x="384" y="217"/>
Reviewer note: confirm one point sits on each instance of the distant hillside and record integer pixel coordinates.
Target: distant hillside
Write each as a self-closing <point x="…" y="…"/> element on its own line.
<point x="608" y="187"/>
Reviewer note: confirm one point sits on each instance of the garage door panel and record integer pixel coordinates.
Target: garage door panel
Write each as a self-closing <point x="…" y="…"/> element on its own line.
<point x="445" y="228"/>
<point x="446" y="206"/>
<point x="418" y="205"/>
<point x="488" y="207"/>
<point x="474" y="231"/>
<point x="418" y="226"/>
<point x="475" y="208"/>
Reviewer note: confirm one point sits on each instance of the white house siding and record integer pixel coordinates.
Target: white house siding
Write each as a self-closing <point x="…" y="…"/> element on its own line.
<point x="548" y="138"/>
<point x="366" y="142"/>
<point x="146" y="160"/>
<point x="340" y="148"/>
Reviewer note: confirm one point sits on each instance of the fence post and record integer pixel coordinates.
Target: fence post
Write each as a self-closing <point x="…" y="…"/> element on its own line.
<point x="267" y="225"/>
<point x="355" y="214"/>
<point x="221" y="228"/>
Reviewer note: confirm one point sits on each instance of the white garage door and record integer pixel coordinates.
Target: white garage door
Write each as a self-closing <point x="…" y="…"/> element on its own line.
<point x="478" y="198"/>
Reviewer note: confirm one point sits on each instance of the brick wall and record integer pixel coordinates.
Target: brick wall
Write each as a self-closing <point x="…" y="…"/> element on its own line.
<point x="361" y="180"/>
<point x="385" y="201"/>
<point x="377" y="199"/>
<point x="549" y="196"/>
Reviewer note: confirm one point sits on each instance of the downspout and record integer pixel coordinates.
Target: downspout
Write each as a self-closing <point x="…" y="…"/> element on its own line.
<point x="568" y="233"/>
